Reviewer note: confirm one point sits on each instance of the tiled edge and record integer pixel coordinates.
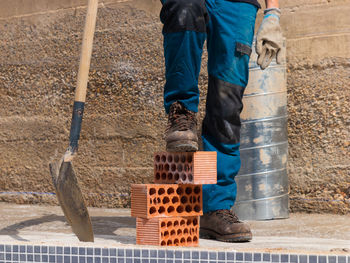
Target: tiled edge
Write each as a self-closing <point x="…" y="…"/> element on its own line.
<point x="68" y="254"/>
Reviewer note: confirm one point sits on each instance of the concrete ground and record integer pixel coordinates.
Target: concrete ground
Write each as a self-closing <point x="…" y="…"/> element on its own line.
<point x="307" y="233"/>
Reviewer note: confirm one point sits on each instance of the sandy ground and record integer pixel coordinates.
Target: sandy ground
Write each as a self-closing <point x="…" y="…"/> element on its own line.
<point x="309" y="233"/>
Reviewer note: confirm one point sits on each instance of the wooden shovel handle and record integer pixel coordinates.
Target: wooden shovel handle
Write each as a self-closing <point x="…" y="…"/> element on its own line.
<point x="85" y="57"/>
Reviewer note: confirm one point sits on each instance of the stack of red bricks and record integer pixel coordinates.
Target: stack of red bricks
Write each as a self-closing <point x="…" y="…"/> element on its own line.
<point x="167" y="212"/>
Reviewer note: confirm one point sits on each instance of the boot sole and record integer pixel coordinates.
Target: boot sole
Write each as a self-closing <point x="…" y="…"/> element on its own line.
<point x="240" y="237"/>
<point x="182" y="146"/>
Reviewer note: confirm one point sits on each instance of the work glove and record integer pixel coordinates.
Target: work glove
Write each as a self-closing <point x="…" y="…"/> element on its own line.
<point x="269" y="39"/>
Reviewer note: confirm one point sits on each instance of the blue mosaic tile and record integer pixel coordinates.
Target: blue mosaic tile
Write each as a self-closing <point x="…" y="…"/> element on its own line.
<point x="212" y="256"/>
<point x="22" y="249"/>
<point x="128" y="260"/>
<point x="186" y="255"/>
<point x="221" y="261"/>
<point x="204" y="255"/>
<point x="170" y="254"/>
<point x="30" y="257"/>
<point x="145" y="260"/>
<point x="169" y="260"/>
<point x="52" y="259"/>
<point x="105" y="259"/>
<point x="29" y="249"/>
<point x="8" y="256"/>
<point x="52" y="250"/>
<point x="113" y="252"/>
<point x="230" y="256"/>
<point x="59" y="259"/>
<point x="75" y="251"/>
<point x="137" y="253"/>
<point x="97" y="260"/>
<point x="313" y="259"/>
<point x="2" y="248"/>
<point x="15" y="248"/>
<point x="97" y="251"/>
<point x="293" y="258"/>
<point x="59" y="250"/>
<point x="8" y="248"/>
<point x="66" y="250"/>
<point x="45" y="258"/>
<point x="22" y="257"/>
<point x="82" y="259"/>
<point x="161" y="254"/>
<point x="284" y="258"/>
<point x="152" y="261"/>
<point x="178" y="254"/>
<point x="341" y="259"/>
<point x="195" y="261"/>
<point x="195" y="255"/>
<point x="221" y="255"/>
<point x="302" y="259"/>
<point x="128" y="253"/>
<point x="248" y="257"/>
<point x="153" y="253"/>
<point x="89" y="251"/>
<point x="239" y="256"/>
<point x="161" y="260"/>
<point x="120" y="252"/>
<point x="36" y="249"/>
<point x="187" y="261"/>
<point x="15" y="257"/>
<point x="113" y="260"/>
<point x="145" y="253"/>
<point x="74" y="259"/>
<point x="66" y="259"/>
<point x="204" y="261"/>
<point x="105" y="252"/>
<point x="37" y="258"/>
<point x="2" y="256"/>
<point x="89" y="260"/>
<point x="178" y="261"/>
<point x="275" y="258"/>
<point x="137" y="260"/>
<point x="44" y="249"/>
<point x="257" y="257"/>
<point x="82" y="251"/>
<point x="120" y="260"/>
<point x="322" y="259"/>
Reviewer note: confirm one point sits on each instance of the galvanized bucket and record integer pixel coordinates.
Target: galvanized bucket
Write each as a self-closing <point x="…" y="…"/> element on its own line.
<point x="262" y="181"/>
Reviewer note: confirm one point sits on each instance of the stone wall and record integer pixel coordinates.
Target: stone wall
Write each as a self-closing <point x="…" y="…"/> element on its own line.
<point x="124" y="119"/>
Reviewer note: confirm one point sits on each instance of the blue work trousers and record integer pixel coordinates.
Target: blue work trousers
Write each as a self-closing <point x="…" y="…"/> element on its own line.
<point x="228" y="27"/>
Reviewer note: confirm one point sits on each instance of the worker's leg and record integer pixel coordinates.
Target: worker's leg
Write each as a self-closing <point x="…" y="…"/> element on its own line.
<point x="184" y="35"/>
<point x="230" y="36"/>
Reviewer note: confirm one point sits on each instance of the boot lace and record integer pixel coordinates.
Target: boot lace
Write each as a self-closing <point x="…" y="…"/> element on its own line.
<point x="227" y="216"/>
<point x="180" y="119"/>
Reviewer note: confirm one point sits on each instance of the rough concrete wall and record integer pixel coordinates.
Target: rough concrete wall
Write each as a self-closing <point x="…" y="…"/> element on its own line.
<point x="124" y="120"/>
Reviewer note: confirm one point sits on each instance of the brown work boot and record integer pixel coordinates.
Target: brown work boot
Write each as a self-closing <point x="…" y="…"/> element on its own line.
<point x="224" y="225"/>
<point x="181" y="131"/>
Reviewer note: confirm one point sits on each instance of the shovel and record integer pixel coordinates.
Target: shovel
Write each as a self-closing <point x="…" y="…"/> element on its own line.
<point x="64" y="179"/>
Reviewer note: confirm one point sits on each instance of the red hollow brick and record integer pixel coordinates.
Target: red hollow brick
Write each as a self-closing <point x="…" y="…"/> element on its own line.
<point x="166" y="200"/>
<point x="173" y="231"/>
<point x="185" y="167"/>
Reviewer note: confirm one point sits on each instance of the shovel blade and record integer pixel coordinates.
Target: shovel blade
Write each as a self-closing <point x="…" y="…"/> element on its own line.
<point x="71" y="200"/>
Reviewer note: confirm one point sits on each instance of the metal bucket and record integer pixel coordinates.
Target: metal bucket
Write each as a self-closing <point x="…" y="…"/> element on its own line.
<point x="262" y="181"/>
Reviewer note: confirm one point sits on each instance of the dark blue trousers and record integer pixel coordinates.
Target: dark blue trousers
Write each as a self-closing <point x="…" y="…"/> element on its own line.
<point x="228" y="28"/>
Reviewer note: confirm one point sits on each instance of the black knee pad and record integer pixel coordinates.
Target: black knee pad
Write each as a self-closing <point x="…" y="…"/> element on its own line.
<point x="183" y="15"/>
<point x="223" y="109"/>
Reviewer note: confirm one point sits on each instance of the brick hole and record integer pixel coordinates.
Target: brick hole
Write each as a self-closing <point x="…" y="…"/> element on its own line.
<point x="152" y="210"/>
<point x="170" y="209"/>
<point x="191" y="168"/>
<point x="188" y="209"/>
<point x="160" y="167"/>
<point x="169" y="224"/>
<point x="161" y="190"/>
<point x="183" y="240"/>
<point x="176" y="242"/>
<point x="179" y="191"/>
<point x="188" y="190"/>
<point x="163" y="243"/>
<point x="170" y="176"/>
<point x="191" y="199"/>
<point x="182" y="222"/>
<point x="169" y="243"/>
<point x="161" y="210"/>
<point x="162" y="225"/>
<point x="157" y="158"/>
<point x="189" y="221"/>
<point x="179" y="167"/>
<point x="173" y="167"/>
<point x="186" y="231"/>
<point x="176" y="223"/>
<point x="156" y="200"/>
<point x="170" y="190"/>
<point x="183" y="177"/>
<point x="158" y="176"/>
<point x="197" y="190"/>
<point x="195" y="239"/>
<point x="197" y="208"/>
<point x="175" y="200"/>
<point x="186" y="168"/>
<point x="152" y="191"/>
<point x="193" y="230"/>
<point x="150" y="200"/>
<point x="166" y="234"/>
<point x="166" y="200"/>
<point x="176" y="176"/>
<point x="176" y="158"/>
<point x="199" y="199"/>
<point x="179" y="232"/>
<point x="190" y="231"/>
<point x="184" y="199"/>
<point x="180" y="209"/>
<point x="189" y="158"/>
<point x="163" y="176"/>
<point x="183" y="158"/>
<point x="190" y="177"/>
<point x="172" y="232"/>
<point x="195" y="221"/>
<point x="166" y="167"/>
<point x="163" y="158"/>
<point x="170" y="158"/>
<point x="189" y="240"/>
